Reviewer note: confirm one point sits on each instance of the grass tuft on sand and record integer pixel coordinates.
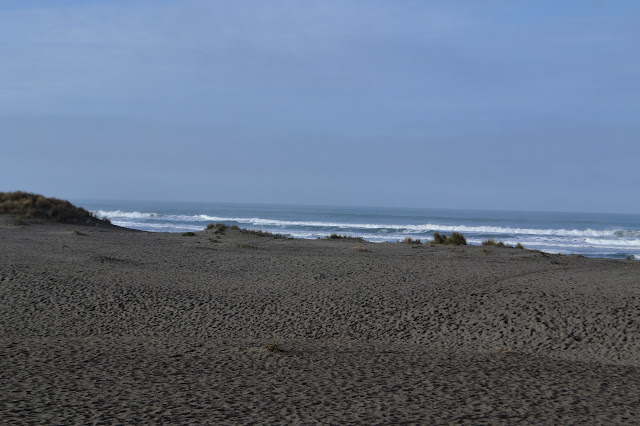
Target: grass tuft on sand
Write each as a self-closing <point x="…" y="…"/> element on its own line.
<point x="455" y="239"/>
<point x="344" y="237"/>
<point x="410" y="240"/>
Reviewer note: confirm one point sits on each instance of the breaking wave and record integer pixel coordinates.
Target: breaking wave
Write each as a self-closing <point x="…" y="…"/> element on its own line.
<point x="390" y="228"/>
<point x="554" y="234"/>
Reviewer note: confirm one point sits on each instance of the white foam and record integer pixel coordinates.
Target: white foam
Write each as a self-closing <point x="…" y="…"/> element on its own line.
<point x="390" y="230"/>
<point x="613" y="243"/>
<point x="159" y="227"/>
<point x="120" y="214"/>
<point x="429" y="227"/>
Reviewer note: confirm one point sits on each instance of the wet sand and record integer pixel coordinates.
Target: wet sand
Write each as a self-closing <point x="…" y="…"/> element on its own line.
<point x="102" y="324"/>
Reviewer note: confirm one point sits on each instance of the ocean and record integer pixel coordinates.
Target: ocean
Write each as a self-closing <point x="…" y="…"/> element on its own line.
<point x="587" y="234"/>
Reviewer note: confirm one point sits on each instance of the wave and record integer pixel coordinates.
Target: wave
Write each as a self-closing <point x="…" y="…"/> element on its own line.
<point x="614" y="243"/>
<point x="111" y="214"/>
<point x="380" y="227"/>
<point x="424" y="228"/>
<point x="159" y="227"/>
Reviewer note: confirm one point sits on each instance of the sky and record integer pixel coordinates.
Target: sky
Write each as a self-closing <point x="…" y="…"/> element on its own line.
<point x="527" y="105"/>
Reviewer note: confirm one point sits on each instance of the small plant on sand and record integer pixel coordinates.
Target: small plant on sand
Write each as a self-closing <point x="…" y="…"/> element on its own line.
<point x="344" y="237"/>
<point x="218" y="228"/>
<point x="456" y="239"/>
<point x="188" y="234"/>
<point x="439" y="238"/>
<point x="245" y="245"/>
<point x="410" y="240"/>
<point x="275" y="347"/>
<point x="519" y="246"/>
<point x="497" y="244"/>
<point x="261" y="233"/>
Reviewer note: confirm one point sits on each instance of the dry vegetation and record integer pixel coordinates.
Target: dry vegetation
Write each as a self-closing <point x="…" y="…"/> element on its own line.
<point x="455" y="239"/>
<point x="220" y="228"/>
<point x="25" y="205"/>
<point x="501" y="244"/>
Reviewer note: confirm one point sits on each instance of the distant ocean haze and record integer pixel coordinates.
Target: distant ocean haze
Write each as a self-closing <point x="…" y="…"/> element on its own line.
<point x="588" y="234"/>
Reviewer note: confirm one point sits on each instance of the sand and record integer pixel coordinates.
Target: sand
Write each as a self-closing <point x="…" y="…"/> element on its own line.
<point x="107" y="325"/>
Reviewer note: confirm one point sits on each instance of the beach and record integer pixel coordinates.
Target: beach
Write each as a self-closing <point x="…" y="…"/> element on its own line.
<point x="106" y="324"/>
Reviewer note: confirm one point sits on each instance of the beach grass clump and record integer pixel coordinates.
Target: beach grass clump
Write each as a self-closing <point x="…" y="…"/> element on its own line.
<point x="519" y="246"/>
<point x="500" y="244"/>
<point x="410" y="240"/>
<point x="261" y="233"/>
<point x="344" y="237"/>
<point x="275" y="348"/>
<point x="439" y="238"/>
<point x="26" y="205"/>
<point x="218" y="228"/>
<point x="455" y="239"/>
<point x="188" y="234"/>
<point x="335" y="237"/>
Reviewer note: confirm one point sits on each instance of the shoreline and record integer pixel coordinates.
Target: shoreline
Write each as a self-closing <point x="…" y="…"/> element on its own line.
<point x="110" y="323"/>
<point x="592" y="235"/>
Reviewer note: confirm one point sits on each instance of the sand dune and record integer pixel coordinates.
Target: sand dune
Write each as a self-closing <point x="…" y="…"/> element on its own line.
<point x="106" y="324"/>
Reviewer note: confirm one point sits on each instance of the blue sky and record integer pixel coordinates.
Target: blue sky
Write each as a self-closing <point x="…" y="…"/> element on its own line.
<point x="526" y="105"/>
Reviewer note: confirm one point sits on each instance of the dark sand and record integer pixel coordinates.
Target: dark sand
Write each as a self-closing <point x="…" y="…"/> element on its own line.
<point x="118" y="326"/>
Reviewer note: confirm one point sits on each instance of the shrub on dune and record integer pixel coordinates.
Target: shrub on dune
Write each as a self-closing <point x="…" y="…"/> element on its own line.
<point x="28" y="205"/>
<point x="455" y="239"/>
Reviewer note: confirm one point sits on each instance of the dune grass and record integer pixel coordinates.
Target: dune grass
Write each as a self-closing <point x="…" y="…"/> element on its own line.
<point x="220" y="228"/>
<point x="410" y="240"/>
<point x="492" y="242"/>
<point x="26" y="205"/>
<point x="455" y="239"/>
<point x="344" y="237"/>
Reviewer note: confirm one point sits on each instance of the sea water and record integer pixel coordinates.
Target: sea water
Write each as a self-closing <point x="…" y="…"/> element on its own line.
<point x="588" y="234"/>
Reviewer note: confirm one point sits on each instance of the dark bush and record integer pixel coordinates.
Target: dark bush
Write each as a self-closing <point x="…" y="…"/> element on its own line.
<point x="439" y="238"/>
<point x="344" y="237"/>
<point x="456" y="239"/>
